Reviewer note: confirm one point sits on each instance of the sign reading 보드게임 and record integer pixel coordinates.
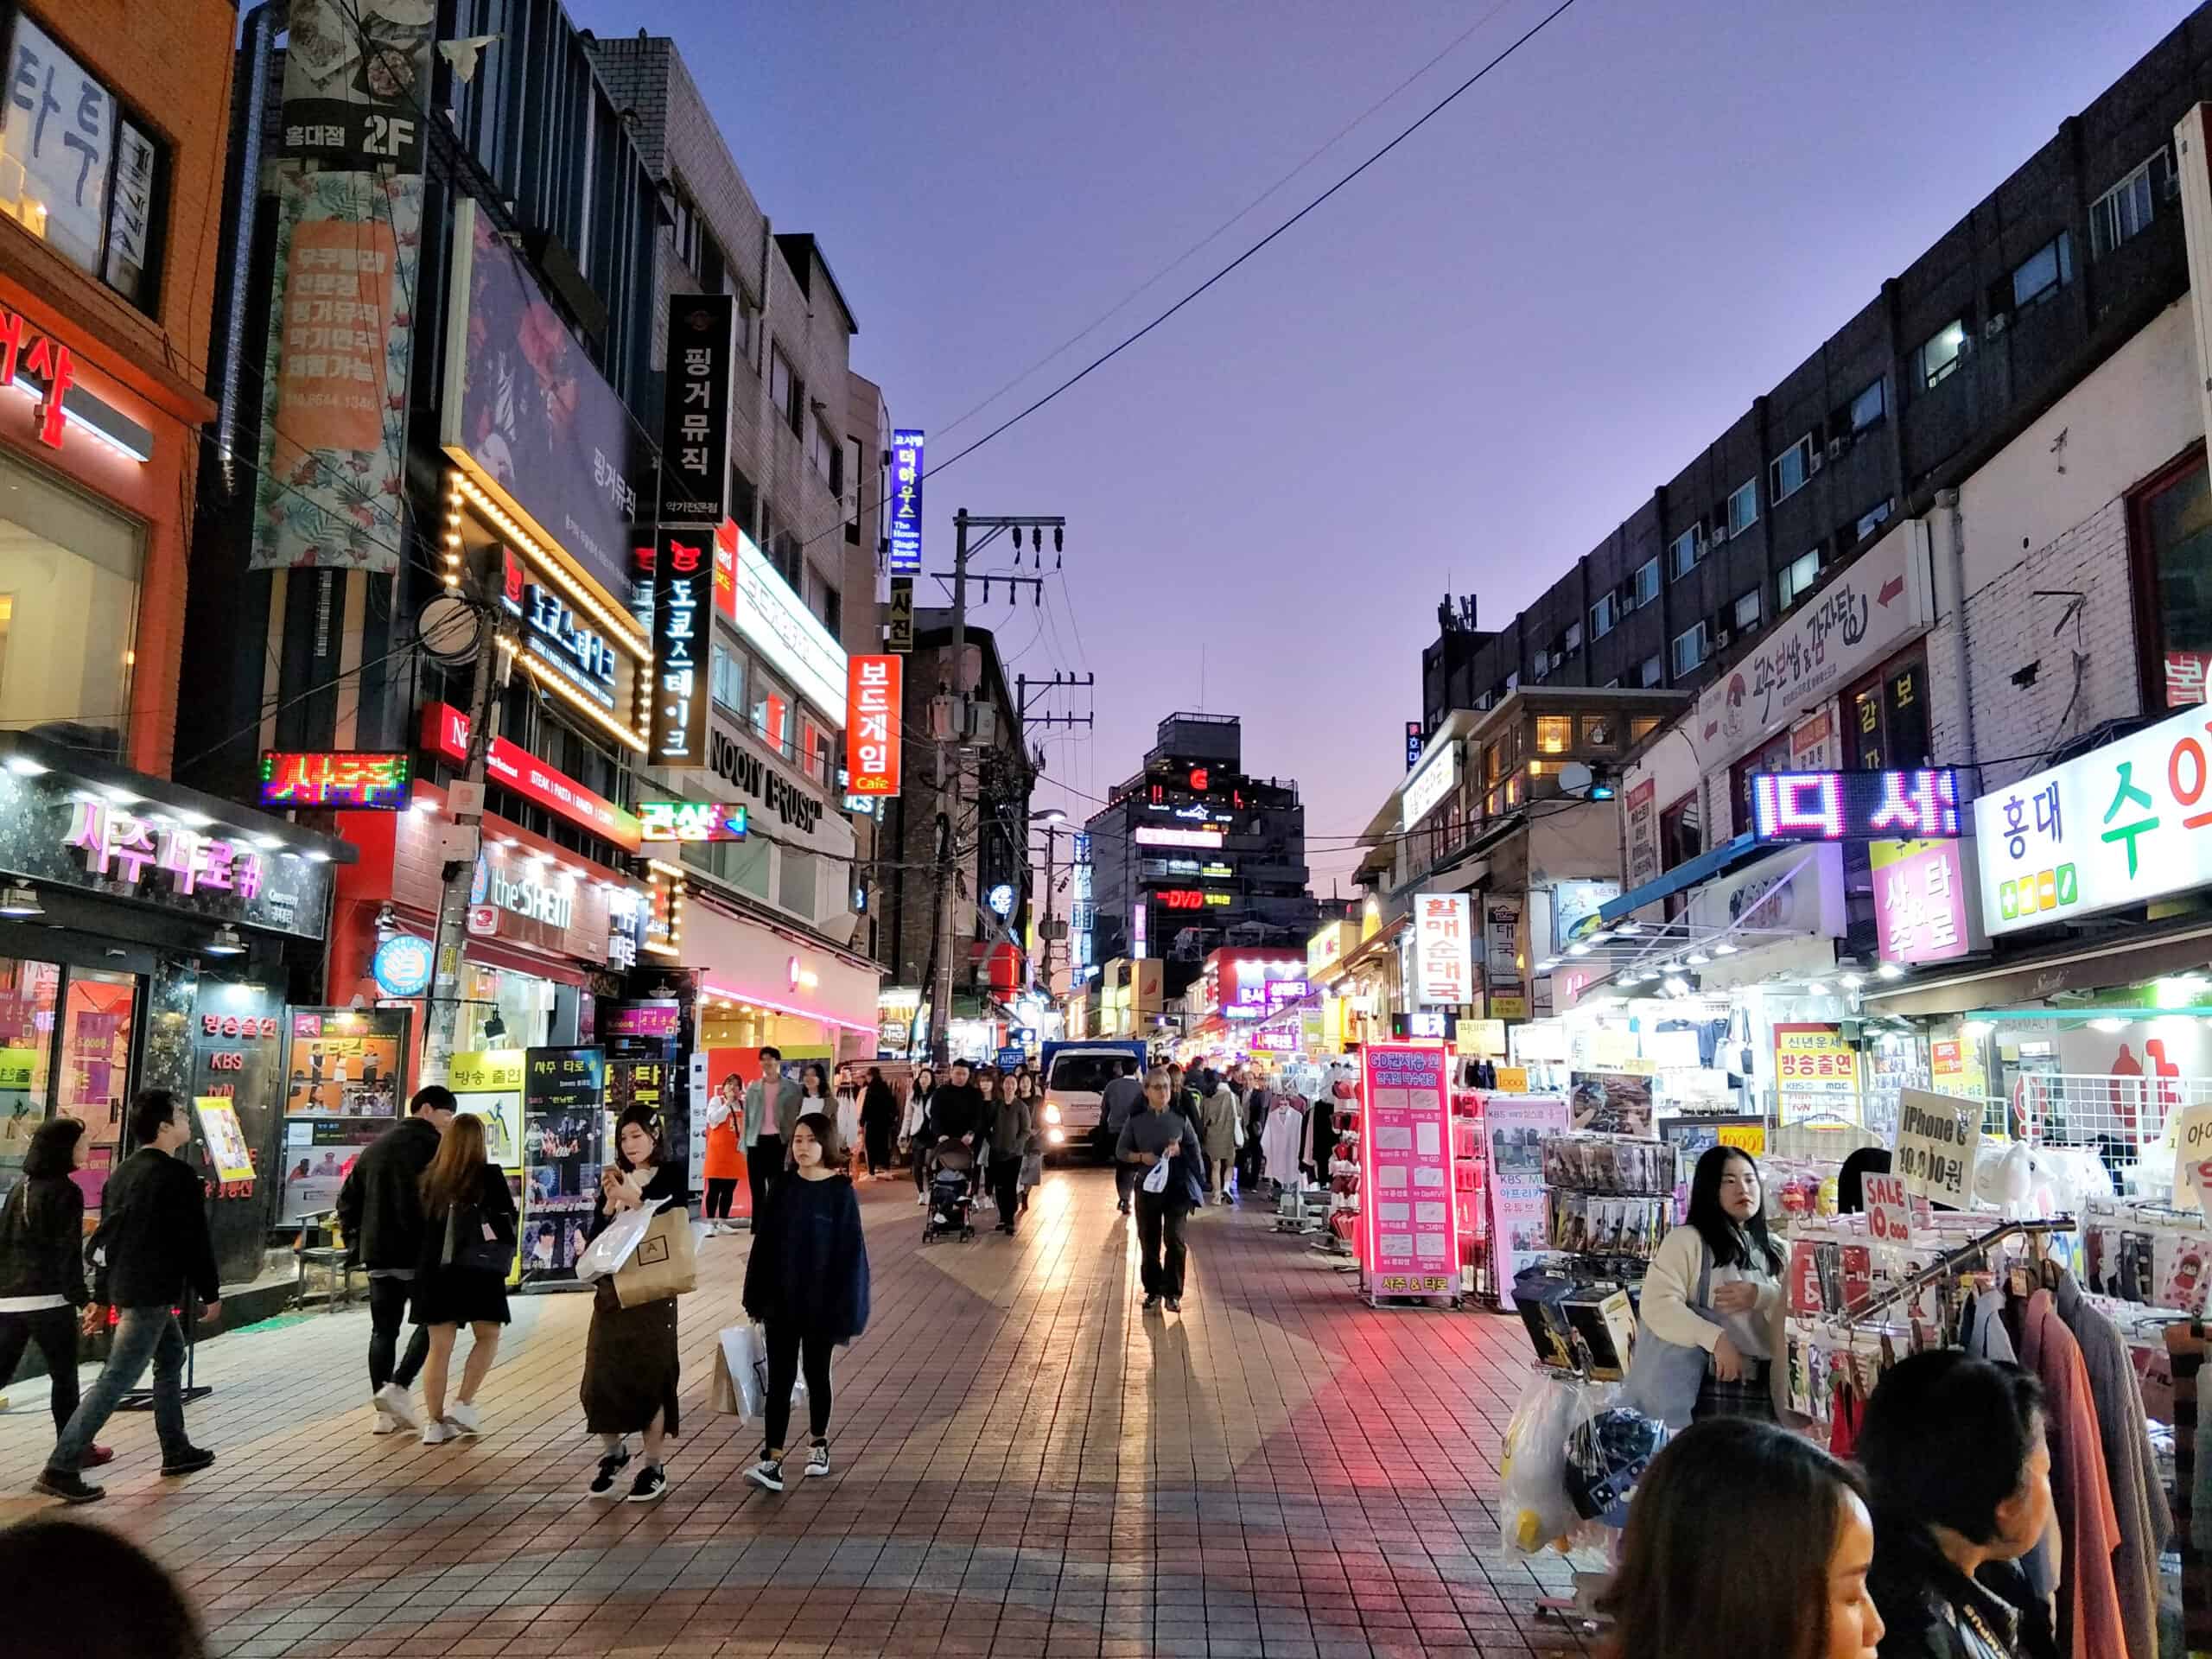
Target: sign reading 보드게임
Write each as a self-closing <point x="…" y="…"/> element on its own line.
<point x="2121" y="825"/>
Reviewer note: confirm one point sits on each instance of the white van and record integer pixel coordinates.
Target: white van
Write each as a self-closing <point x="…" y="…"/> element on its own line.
<point x="1076" y="1076"/>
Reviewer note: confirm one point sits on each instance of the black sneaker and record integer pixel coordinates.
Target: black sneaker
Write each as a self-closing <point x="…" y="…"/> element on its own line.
<point x="817" y="1460"/>
<point x="650" y="1485"/>
<point x="767" y="1474"/>
<point x="69" y="1486"/>
<point x="1151" y="1302"/>
<point x="190" y="1461"/>
<point x="602" y="1483"/>
<point x="1123" y="1206"/>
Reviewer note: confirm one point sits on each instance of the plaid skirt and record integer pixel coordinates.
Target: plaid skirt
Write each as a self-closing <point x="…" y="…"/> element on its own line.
<point x="1751" y="1396"/>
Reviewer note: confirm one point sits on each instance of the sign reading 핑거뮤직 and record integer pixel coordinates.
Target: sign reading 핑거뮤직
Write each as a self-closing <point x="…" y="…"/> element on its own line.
<point x="695" y="437"/>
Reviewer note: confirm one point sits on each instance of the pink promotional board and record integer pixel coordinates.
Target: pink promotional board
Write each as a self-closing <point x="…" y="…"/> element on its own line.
<point x="1408" y="1182"/>
<point x="1514" y="1127"/>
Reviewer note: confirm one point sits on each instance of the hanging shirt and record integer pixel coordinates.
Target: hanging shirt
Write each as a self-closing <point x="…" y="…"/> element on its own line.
<point x="2090" y="1625"/>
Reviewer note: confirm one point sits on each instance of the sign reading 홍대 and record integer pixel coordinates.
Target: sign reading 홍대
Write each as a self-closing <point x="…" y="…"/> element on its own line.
<point x="1937" y="1139"/>
<point x="2121" y="825"/>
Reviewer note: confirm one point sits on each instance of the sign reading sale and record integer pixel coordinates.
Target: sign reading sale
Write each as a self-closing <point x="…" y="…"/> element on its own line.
<point x="873" y="686"/>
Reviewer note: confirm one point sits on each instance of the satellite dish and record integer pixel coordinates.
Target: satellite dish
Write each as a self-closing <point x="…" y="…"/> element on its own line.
<point x="1573" y="778"/>
<point x="446" y="629"/>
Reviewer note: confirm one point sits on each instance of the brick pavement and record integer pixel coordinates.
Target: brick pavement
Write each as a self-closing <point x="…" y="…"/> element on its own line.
<point x="1027" y="1466"/>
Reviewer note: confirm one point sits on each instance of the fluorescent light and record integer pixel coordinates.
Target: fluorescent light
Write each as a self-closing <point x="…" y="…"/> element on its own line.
<point x="23" y="767"/>
<point x="192" y="820"/>
<point x="268" y="843"/>
<point x="1697" y="958"/>
<point x="2107" y="1025"/>
<point x="1816" y="988"/>
<point x="1852" y="982"/>
<point x="1722" y="947"/>
<point x="1578" y="950"/>
<point x="1890" y="970"/>
<point x="226" y="942"/>
<point x="1678" y="986"/>
<point x="318" y="856"/>
<point x="120" y="795"/>
<point x="20" y="898"/>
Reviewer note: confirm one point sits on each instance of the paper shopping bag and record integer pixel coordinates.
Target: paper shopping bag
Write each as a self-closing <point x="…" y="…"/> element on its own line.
<point x="664" y="1264"/>
<point x="737" y="1362"/>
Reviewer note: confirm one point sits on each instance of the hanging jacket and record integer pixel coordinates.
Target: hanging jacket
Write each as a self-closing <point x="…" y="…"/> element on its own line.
<point x="2089" y="1620"/>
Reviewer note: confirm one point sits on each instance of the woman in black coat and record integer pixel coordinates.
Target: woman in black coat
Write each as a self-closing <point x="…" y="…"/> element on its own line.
<point x="469" y="1232"/>
<point x="42" y="1265"/>
<point x="631" y="1364"/>
<point x="879" y="1120"/>
<point x="807" y="1283"/>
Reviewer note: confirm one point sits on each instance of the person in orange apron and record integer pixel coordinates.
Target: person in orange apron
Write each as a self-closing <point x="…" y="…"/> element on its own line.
<point x="725" y="1167"/>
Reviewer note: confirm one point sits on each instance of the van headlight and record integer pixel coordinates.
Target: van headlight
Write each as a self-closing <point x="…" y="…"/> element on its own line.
<point x="1055" y="1137"/>
<point x="1051" y="1113"/>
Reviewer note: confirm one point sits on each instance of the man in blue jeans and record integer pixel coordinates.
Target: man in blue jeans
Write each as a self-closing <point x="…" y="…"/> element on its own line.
<point x="153" y="1235"/>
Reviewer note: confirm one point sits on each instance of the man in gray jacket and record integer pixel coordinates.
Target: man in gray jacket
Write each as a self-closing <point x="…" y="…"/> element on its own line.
<point x="1123" y="1094"/>
<point x="771" y="1109"/>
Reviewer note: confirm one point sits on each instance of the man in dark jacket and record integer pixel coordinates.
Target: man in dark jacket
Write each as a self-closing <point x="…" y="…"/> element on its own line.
<point x="380" y="1212"/>
<point x="956" y="1108"/>
<point x="1123" y="1094"/>
<point x="153" y="1237"/>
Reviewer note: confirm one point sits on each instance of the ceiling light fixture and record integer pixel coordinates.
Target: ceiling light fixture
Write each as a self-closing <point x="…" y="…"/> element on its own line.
<point x="226" y="942"/>
<point x="20" y="898"/>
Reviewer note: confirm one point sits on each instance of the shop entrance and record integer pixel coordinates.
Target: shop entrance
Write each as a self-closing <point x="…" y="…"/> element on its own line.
<point x="69" y="1043"/>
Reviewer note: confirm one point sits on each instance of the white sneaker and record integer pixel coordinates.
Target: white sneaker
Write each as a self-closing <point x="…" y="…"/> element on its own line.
<point x="818" y="1463"/>
<point x="922" y="1200"/>
<point x="462" y="1418"/>
<point x="397" y="1400"/>
<point x="385" y="1423"/>
<point x="439" y="1433"/>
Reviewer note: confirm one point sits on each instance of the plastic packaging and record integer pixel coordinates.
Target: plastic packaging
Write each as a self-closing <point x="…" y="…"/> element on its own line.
<point x="1535" y="1509"/>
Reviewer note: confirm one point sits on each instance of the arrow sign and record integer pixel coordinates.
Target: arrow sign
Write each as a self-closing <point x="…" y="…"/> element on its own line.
<point x="1890" y="589"/>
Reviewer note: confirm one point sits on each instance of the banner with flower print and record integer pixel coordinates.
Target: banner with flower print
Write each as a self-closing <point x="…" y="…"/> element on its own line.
<point x="333" y="430"/>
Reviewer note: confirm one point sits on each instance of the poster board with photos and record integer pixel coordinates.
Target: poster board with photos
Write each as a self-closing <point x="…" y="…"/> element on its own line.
<point x="564" y="1148"/>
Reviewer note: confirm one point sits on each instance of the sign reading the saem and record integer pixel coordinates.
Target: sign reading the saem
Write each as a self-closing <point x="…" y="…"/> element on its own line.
<point x="905" y="499"/>
<point x="695" y="433"/>
<point x="873" y="686"/>
<point x="683" y="577"/>
<point x="1921" y="805"/>
<point x="326" y="778"/>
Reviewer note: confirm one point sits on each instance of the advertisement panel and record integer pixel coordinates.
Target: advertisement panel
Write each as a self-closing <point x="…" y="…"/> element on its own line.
<point x="1815" y="1072"/>
<point x="563" y="1139"/>
<point x="1642" y="813"/>
<point x="445" y="732"/>
<point x="904" y="499"/>
<point x="527" y="411"/>
<point x="1408" y="1183"/>
<point x="683" y="584"/>
<point x="777" y="623"/>
<point x="356" y="76"/>
<point x="1429" y="785"/>
<point x="1443" y="948"/>
<point x="873" y="742"/>
<point x="2119" y="826"/>
<point x="334" y="435"/>
<point x="1924" y="908"/>
<point x="695" y="431"/>
<point x="1514" y="1126"/>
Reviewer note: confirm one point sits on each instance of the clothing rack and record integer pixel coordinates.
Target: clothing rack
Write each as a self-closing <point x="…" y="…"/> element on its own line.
<point x="1948" y="1263"/>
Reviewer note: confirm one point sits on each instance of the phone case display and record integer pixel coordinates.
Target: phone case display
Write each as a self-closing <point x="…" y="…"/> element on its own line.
<point x="345" y="1074"/>
<point x="1515" y="1128"/>
<point x="1611" y="1198"/>
<point x="2147" y="1255"/>
<point x="563" y="1094"/>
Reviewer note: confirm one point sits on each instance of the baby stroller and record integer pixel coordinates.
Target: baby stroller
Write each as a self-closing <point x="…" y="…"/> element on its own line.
<point x="952" y="1192"/>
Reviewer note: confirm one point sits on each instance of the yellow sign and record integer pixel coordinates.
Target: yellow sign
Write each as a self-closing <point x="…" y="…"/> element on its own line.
<point x="219" y="1128"/>
<point x="1508" y="1007"/>
<point x="1512" y="1079"/>
<point x="485" y="1071"/>
<point x="16" y="1065"/>
<point x="1744" y="1137"/>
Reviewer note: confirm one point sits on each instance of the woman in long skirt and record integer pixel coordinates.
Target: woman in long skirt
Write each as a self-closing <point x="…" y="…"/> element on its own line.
<point x="631" y="1366"/>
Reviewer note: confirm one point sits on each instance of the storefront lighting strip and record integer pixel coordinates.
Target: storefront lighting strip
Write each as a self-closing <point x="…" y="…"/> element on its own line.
<point x="2126" y="1015"/>
<point x="619" y="625"/>
<point x="76" y="420"/>
<point x="722" y="993"/>
<point x="576" y="700"/>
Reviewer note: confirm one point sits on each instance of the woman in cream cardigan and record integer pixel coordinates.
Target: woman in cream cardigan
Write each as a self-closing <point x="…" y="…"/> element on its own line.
<point x="1715" y="1286"/>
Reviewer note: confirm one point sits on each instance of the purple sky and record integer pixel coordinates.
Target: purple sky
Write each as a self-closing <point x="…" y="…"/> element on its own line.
<point x="1463" y="370"/>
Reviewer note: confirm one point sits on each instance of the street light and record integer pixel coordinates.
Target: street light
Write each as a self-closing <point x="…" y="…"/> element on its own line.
<point x="1050" y="815"/>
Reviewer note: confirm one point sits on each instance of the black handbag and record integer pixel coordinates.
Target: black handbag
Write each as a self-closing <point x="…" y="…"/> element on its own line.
<point x="467" y="1245"/>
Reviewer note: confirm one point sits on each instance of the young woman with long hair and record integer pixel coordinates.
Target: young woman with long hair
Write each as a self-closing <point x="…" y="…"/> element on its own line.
<point x="1030" y="1097"/>
<point x="631" y="1362"/>
<point x="1716" y="1286"/>
<point x="42" y="1290"/>
<point x="917" y="1133"/>
<point x="807" y="1283"/>
<point x="469" y="1230"/>
<point x="1744" y="1540"/>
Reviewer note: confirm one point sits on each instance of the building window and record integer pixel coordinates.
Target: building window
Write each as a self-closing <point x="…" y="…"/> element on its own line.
<point x="1689" y="652"/>
<point x="849" y="491"/>
<point x="1869" y="407"/>
<point x="1681" y="834"/>
<point x="1743" y="507"/>
<point x="748" y="320"/>
<point x="2169" y="534"/>
<point x="1601" y="616"/>
<point x="1599" y="731"/>
<point x="1653" y="671"/>
<point x="1873" y="519"/>
<point x="1747" y="611"/>
<point x="2042" y="273"/>
<point x="2123" y="211"/>
<point x="77" y="172"/>
<point x="68" y="604"/>
<point x="1786" y="473"/>
<point x="1885" y="717"/>
<point x="825" y="453"/>
<point x="1513" y="683"/>
<point x="795" y="882"/>
<point x="1940" y="356"/>
<point x="1571" y="641"/>
<point x="1797" y="580"/>
<point x="1683" y="553"/>
<point x="744" y="500"/>
<point x="726" y="679"/>
<point x="1647" y="583"/>
<point x="787" y="391"/>
<point x="1773" y="757"/>
<point x="1554" y="733"/>
<point x="772" y="713"/>
<point x="1641" y="727"/>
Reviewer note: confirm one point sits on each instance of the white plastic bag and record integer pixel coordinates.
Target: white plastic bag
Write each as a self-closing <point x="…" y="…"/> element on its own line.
<point x="740" y="1357"/>
<point x="605" y="1255"/>
<point x="757" y="1336"/>
<point x="1155" y="1178"/>
<point x="1533" y="1508"/>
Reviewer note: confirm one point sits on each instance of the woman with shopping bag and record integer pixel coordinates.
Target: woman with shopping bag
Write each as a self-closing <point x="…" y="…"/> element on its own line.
<point x="461" y="1277"/>
<point x="807" y="1284"/>
<point x="630" y="1365"/>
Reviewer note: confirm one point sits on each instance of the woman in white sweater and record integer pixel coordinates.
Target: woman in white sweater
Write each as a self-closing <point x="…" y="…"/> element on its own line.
<point x="1715" y="1285"/>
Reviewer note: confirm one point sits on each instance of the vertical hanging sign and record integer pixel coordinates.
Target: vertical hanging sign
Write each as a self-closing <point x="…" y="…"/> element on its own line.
<point x="683" y="576"/>
<point x="695" y="426"/>
<point x="873" y="686"/>
<point x="905" y="495"/>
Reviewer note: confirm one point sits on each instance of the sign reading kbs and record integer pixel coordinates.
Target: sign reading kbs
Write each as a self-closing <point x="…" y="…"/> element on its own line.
<point x="904" y="498"/>
<point x="683" y="578"/>
<point x="695" y="430"/>
<point x="873" y="688"/>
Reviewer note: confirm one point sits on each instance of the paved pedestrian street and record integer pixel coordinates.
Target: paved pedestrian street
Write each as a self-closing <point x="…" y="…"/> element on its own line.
<point x="1026" y="1464"/>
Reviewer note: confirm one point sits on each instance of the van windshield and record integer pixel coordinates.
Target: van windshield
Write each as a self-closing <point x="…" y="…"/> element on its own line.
<point x="1085" y="1074"/>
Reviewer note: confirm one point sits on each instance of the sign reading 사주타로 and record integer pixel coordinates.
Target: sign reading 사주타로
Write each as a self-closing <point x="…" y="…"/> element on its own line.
<point x="1937" y="1139"/>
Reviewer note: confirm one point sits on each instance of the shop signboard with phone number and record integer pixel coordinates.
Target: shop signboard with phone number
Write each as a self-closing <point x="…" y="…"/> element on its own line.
<point x="1406" y="1182"/>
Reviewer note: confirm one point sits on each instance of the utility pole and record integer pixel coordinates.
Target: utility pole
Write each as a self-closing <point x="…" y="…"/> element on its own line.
<point x="464" y="840"/>
<point x="955" y="727"/>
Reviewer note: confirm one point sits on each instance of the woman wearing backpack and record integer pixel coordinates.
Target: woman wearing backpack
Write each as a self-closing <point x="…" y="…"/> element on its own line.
<point x="469" y="1229"/>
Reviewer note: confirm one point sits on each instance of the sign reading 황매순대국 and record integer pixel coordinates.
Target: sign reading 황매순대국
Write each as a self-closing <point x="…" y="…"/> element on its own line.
<point x="2121" y="825"/>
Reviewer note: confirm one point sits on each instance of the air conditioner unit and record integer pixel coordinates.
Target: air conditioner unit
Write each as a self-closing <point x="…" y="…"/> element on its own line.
<point x="1995" y="326"/>
<point x="1719" y="534"/>
<point x="1814" y="462"/>
<point x="1836" y="447"/>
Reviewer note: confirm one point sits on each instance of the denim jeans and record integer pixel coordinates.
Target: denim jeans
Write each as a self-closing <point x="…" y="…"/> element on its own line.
<point x="143" y="1333"/>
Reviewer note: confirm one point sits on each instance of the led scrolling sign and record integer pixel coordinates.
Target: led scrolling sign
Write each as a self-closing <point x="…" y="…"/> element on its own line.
<point x="1920" y="805"/>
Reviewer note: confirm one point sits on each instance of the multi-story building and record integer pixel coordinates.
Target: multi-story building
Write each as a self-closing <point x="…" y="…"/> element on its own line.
<point x="1192" y="853"/>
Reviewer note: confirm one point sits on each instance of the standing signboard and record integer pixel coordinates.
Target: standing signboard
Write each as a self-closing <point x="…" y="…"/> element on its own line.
<point x="346" y="1075"/>
<point x="682" y="586"/>
<point x="1514" y="1126"/>
<point x="1407" y="1181"/>
<point x="564" y="1150"/>
<point x="905" y="498"/>
<point x="874" y="688"/>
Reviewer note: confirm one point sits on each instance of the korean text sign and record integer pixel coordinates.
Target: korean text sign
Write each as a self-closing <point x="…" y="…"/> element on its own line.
<point x="695" y="433"/>
<point x="2121" y="825"/>
<point x="904" y="499"/>
<point x="871" y="734"/>
<point x="1937" y="1139"/>
<point x="1920" y="902"/>
<point x="1443" y="948"/>
<point x="1814" y="1070"/>
<point x="683" y="585"/>
<point x="1406" y="1182"/>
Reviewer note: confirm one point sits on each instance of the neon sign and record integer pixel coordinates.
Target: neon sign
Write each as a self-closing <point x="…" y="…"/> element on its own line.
<point x="116" y="843"/>
<point x="1181" y="899"/>
<point x="1922" y="805"/>
<point x="324" y="778"/>
<point x="691" y="821"/>
<point x="1149" y="834"/>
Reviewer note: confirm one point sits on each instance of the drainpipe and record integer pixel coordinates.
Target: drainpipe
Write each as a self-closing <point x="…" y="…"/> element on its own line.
<point x="260" y="38"/>
<point x="1950" y="578"/>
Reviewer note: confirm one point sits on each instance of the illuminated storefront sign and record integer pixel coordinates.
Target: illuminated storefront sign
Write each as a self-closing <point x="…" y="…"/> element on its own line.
<point x="564" y="641"/>
<point x="401" y="966"/>
<point x="1922" y="805"/>
<point x="113" y="842"/>
<point x="695" y="429"/>
<point x="1148" y="835"/>
<point x="445" y="732"/>
<point x="1415" y="742"/>
<point x="690" y="821"/>
<point x="1443" y="948"/>
<point x="354" y="779"/>
<point x="512" y="886"/>
<point x="1429" y="785"/>
<point x="683" y="582"/>
<point x="778" y="625"/>
<point x="1328" y="947"/>
<point x="1924" y="907"/>
<point x="905" y="500"/>
<point x="873" y="688"/>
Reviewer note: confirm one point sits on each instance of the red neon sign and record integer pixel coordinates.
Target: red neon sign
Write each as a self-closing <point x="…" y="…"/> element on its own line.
<point x="873" y="686"/>
<point x="334" y="778"/>
<point x="445" y="732"/>
<point x="1198" y="778"/>
<point x="49" y="360"/>
<point x="1181" y="899"/>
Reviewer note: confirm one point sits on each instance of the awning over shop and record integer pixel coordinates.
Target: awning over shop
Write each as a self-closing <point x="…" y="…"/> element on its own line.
<point x="1681" y="879"/>
<point x="2076" y="966"/>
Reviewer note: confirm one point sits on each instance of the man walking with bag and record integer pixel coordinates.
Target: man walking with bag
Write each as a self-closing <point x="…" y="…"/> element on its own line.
<point x="380" y="1212"/>
<point x="1151" y="1138"/>
<point x="153" y="1235"/>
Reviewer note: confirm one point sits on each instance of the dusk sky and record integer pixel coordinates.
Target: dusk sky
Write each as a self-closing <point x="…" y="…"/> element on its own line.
<point x="1458" y="374"/>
